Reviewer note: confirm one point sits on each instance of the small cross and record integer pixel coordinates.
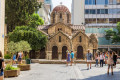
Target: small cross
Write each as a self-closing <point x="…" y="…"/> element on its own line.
<point x="61" y="3"/>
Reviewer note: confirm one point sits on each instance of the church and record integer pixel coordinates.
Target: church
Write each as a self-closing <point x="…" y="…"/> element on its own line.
<point x="63" y="36"/>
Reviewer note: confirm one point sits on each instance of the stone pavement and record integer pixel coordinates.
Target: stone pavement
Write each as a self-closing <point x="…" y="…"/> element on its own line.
<point x="62" y="72"/>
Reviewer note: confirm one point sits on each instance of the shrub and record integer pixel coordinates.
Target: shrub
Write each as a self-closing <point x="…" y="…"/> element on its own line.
<point x="10" y="67"/>
<point x="7" y="56"/>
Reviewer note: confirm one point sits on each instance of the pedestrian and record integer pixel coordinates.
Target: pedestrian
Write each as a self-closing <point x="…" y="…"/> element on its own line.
<point x="13" y="59"/>
<point x="72" y="57"/>
<point x="68" y="57"/>
<point x="89" y="59"/>
<point x="20" y="56"/>
<point x="114" y="58"/>
<point x="96" y="59"/>
<point x="1" y="66"/>
<point x="106" y="57"/>
<point x="101" y="59"/>
<point x="110" y="62"/>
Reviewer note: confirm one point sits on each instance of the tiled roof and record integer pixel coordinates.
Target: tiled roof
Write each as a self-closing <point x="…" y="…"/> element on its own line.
<point x="61" y="8"/>
<point x="74" y="27"/>
<point x="78" y="27"/>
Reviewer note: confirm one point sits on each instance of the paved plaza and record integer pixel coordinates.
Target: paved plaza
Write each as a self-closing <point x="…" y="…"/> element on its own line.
<point x="62" y="72"/>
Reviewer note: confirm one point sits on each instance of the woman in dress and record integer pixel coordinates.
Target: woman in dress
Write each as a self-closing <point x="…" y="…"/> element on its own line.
<point x="68" y="57"/>
<point x="106" y="57"/>
<point x="110" y="62"/>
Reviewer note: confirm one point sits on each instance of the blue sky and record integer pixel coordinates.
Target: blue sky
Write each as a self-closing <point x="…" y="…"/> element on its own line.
<point x="67" y="3"/>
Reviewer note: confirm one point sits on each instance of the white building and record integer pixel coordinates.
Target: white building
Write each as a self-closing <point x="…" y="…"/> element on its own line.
<point x="45" y="10"/>
<point x="78" y="12"/>
<point x="97" y="16"/>
<point x="2" y="23"/>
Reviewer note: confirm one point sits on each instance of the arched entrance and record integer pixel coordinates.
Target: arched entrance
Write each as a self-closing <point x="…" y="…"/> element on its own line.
<point x="79" y="52"/>
<point x="64" y="49"/>
<point x="42" y="53"/>
<point x="54" y="52"/>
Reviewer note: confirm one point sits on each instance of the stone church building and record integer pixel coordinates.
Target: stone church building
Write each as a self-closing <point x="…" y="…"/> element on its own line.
<point x="63" y="36"/>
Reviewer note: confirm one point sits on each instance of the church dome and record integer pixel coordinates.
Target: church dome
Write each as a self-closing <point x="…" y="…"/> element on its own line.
<point x="61" y="8"/>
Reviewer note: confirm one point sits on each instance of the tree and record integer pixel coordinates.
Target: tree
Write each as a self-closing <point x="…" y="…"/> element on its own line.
<point x="35" y="21"/>
<point x="35" y="38"/>
<point x="18" y="46"/>
<point x="113" y="35"/>
<point x="18" y="12"/>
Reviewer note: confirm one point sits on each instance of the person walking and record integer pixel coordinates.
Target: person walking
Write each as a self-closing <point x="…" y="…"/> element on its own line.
<point x="68" y="57"/>
<point x="13" y="59"/>
<point x="101" y="59"/>
<point x="96" y="59"/>
<point x="72" y="57"/>
<point x="20" y="56"/>
<point x="106" y="57"/>
<point x="89" y="59"/>
<point x="1" y="66"/>
<point x="114" y="58"/>
<point x="110" y="62"/>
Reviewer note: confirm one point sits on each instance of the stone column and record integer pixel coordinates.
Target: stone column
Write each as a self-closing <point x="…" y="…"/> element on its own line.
<point x="49" y="55"/>
<point x="2" y="23"/>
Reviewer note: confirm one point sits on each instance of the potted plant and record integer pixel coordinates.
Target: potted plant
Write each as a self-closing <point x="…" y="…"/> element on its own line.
<point x="24" y="67"/>
<point x="11" y="71"/>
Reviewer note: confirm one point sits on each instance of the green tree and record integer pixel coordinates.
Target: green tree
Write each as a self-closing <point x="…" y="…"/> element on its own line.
<point x="18" y="12"/>
<point x="18" y="46"/>
<point x="35" y="38"/>
<point x="113" y="35"/>
<point x="35" y="21"/>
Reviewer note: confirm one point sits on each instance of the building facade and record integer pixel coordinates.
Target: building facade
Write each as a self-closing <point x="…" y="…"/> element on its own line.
<point x="2" y="24"/>
<point x="100" y="15"/>
<point x="63" y="36"/>
<point x="45" y="10"/>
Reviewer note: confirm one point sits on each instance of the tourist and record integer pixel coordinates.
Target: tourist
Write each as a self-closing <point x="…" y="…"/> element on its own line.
<point x="68" y="57"/>
<point x="20" y="56"/>
<point x="101" y="59"/>
<point x="96" y="59"/>
<point x="89" y="59"/>
<point x="110" y="62"/>
<point x="72" y="57"/>
<point x="1" y="66"/>
<point x="106" y="57"/>
<point x="13" y="59"/>
<point x="114" y="58"/>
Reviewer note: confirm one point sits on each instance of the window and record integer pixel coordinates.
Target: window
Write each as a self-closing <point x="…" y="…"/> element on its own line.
<point x="59" y="29"/>
<point x="102" y="11"/>
<point x="112" y="20"/>
<point x="60" y="15"/>
<point x="86" y="2"/>
<point x="106" y="11"/>
<point x="59" y="38"/>
<point x="54" y="18"/>
<point x="92" y="11"/>
<point x="67" y="18"/>
<point x="98" y="11"/>
<point x="87" y="11"/>
<point x="80" y="39"/>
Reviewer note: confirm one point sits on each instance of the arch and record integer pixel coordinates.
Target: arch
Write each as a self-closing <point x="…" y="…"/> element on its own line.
<point x="68" y="18"/>
<point x="79" y="52"/>
<point x="64" y="49"/>
<point x="42" y="53"/>
<point x="54" y="52"/>
<point x="53" y="17"/>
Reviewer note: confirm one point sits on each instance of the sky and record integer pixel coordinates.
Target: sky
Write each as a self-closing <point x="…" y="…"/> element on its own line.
<point x="67" y="3"/>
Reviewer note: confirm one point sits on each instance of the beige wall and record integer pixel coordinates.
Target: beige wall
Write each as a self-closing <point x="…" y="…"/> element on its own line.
<point x="2" y="23"/>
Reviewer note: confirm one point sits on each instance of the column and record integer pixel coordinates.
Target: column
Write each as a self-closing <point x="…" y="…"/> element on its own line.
<point x="2" y="23"/>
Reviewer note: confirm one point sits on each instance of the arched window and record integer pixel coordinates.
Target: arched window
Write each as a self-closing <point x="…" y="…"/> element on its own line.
<point x="53" y="17"/>
<point x="60" y="15"/>
<point x="80" y="39"/>
<point x="67" y="18"/>
<point x="59" y="38"/>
